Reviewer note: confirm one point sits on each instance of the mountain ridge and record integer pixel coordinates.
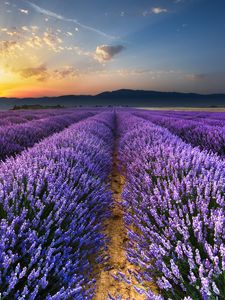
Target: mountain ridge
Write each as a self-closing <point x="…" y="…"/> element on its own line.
<point x="123" y="97"/>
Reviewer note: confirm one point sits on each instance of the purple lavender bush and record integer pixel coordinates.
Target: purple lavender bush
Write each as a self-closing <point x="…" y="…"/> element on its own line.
<point x="54" y="198"/>
<point x="15" y="138"/>
<point x="174" y="201"/>
<point x="197" y="133"/>
<point x="23" y="116"/>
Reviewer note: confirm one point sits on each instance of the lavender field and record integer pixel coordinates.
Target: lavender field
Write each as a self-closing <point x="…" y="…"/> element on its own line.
<point x="112" y="204"/>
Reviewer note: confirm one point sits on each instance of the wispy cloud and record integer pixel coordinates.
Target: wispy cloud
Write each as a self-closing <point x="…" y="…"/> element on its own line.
<point x="30" y="37"/>
<point x="197" y="77"/>
<point x="66" y="72"/>
<point x="159" y="10"/>
<point x="105" y="53"/>
<point x="7" y="48"/>
<point x="24" y="11"/>
<point x="69" y="33"/>
<point x="54" y="15"/>
<point x="152" y="73"/>
<point x="40" y="73"/>
<point x="53" y="41"/>
<point x="25" y="28"/>
<point x="155" y="10"/>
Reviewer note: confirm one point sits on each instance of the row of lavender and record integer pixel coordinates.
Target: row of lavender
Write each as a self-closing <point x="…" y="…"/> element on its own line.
<point x="211" y="118"/>
<point x="175" y="211"/>
<point x="197" y="132"/>
<point x="53" y="200"/>
<point x="15" y="138"/>
<point x="8" y="118"/>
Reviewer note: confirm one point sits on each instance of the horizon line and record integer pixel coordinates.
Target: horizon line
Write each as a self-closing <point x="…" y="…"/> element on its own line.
<point x="116" y="90"/>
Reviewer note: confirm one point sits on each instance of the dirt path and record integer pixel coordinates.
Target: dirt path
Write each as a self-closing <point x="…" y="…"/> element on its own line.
<point x="115" y="230"/>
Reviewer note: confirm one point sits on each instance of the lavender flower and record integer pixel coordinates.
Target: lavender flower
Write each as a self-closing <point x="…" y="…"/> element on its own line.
<point x="174" y="208"/>
<point x="53" y="202"/>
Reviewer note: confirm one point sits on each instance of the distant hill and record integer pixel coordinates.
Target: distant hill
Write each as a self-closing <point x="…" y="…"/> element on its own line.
<point x="36" y="106"/>
<point x="124" y="97"/>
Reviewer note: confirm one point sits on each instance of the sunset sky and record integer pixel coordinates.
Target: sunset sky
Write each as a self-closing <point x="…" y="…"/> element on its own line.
<point x="58" y="47"/>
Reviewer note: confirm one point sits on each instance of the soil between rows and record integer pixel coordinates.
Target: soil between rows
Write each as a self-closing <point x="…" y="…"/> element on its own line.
<point x="116" y="232"/>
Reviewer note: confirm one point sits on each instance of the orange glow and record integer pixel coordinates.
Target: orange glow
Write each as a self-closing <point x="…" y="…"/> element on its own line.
<point x="86" y="85"/>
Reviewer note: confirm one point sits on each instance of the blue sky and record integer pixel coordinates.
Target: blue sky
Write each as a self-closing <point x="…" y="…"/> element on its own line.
<point x="61" y="47"/>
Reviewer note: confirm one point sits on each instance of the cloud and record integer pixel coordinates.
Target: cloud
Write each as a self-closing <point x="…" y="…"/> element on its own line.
<point x="66" y="72"/>
<point x="82" y="52"/>
<point x="34" y="28"/>
<point x="9" y="47"/>
<point x="159" y="10"/>
<point x="24" y="11"/>
<point x="12" y="33"/>
<point x="52" y="14"/>
<point x="105" y="53"/>
<point x="29" y="36"/>
<point x="150" y="72"/>
<point x="197" y="77"/>
<point x="40" y="73"/>
<point x="35" y="41"/>
<point x="25" y="28"/>
<point x="43" y="73"/>
<point x="52" y="41"/>
<point x="155" y="10"/>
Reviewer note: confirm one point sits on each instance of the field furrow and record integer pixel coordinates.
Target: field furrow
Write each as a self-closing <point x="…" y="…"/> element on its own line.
<point x="109" y="285"/>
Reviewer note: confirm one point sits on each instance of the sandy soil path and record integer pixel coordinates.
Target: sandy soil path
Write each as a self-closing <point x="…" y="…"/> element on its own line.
<point x="115" y="230"/>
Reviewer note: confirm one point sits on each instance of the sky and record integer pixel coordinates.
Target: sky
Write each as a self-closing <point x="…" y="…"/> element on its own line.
<point x="58" y="47"/>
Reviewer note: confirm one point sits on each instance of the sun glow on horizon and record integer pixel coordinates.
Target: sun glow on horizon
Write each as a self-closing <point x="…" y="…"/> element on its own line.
<point x="61" y="48"/>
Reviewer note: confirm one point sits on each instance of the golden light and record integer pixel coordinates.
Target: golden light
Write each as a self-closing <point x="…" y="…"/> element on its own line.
<point x="2" y="73"/>
<point x="8" y="81"/>
<point x="5" y="76"/>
